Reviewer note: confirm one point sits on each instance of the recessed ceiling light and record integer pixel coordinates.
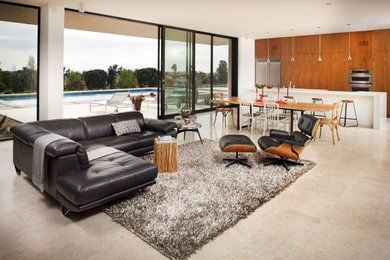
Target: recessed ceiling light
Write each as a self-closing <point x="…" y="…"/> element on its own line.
<point x="328" y="3"/>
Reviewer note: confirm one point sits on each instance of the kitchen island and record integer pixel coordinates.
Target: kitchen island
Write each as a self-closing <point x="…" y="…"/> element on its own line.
<point x="370" y="106"/>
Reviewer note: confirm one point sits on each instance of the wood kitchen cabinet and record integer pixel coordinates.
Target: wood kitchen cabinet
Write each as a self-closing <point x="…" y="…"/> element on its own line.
<point x="369" y="50"/>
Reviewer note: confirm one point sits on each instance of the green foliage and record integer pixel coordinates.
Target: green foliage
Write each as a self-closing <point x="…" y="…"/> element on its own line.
<point x="20" y="81"/>
<point x="126" y="79"/>
<point x="112" y="75"/>
<point x="73" y="81"/>
<point x="2" y="122"/>
<point x="147" y="77"/>
<point x="202" y="78"/>
<point x="222" y="72"/>
<point x="95" y="79"/>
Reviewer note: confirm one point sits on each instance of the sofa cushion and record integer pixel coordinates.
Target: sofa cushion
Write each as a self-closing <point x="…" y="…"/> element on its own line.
<point x="71" y="128"/>
<point x="145" y="138"/>
<point x="124" y="143"/>
<point x="105" y="176"/>
<point x="98" y="126"/>
<point x="131" y="115"/>
<point x="125" y="127"/>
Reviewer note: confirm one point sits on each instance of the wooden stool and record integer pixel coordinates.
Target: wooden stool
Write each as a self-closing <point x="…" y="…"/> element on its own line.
<point x="165" y="155"/>
<point x="346" y="102"/>
<point x="318" y="100"/>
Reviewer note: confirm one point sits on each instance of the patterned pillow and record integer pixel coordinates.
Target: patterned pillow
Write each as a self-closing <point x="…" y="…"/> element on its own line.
<point x="126" y="127"/>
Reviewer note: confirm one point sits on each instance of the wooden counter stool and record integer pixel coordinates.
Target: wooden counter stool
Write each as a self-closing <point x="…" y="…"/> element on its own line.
<point x="318" y="100"/>
<point x="344" y="117"/>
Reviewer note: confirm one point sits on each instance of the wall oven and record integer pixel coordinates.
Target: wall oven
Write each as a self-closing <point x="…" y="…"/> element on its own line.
<point x="360" y="80"/>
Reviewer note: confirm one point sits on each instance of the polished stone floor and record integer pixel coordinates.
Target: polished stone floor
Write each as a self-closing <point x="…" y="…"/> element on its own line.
<point x="338" y="210"/>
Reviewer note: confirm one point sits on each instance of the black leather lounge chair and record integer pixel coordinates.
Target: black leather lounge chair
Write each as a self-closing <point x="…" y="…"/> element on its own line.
<point x="289" y="146"/>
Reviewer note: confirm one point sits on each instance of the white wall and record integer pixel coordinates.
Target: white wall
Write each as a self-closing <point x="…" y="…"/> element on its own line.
<point x="51" y="61"/>
<point x="246" y="67"/>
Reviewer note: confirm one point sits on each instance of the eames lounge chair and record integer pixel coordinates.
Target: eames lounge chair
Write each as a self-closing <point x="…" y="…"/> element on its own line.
<point x="289" y="146"/>
<point x="117" y="101"/>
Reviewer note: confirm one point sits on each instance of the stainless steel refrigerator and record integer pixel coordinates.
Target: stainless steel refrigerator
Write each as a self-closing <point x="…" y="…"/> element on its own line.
<point x="268" y="72"/>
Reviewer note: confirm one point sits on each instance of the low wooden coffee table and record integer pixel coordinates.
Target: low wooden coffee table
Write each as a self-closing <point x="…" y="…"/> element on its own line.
<point x="166" y="155"/>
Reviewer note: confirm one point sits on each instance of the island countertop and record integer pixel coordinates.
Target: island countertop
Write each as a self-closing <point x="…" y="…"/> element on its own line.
<point x="370" y="106"/>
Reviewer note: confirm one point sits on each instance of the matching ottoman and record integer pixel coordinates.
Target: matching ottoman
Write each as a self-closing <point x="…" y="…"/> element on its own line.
<point x="237" y="144"/>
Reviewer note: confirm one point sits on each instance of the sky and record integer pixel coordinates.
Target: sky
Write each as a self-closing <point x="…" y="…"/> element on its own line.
<point x="17" y="42"/>
<point x="85" y="50"/>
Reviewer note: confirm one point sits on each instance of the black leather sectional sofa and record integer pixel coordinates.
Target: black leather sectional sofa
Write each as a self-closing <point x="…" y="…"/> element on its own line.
<point x="74" y="181"/>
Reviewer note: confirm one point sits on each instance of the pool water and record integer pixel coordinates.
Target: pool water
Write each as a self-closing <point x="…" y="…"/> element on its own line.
<point x="75" y="97"/>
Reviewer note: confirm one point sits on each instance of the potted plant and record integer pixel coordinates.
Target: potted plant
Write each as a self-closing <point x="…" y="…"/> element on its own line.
<point x="137" y="101"/>
<point x="260" y="86"/>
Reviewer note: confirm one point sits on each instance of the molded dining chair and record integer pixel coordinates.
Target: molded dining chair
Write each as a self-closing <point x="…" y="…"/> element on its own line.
<point x="247" y="115"/>
<point x="272" y="115"/>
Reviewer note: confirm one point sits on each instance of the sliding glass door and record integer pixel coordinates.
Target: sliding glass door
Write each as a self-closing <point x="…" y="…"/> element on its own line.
<point x="177" y="84"/>
<point x="191" y="64"/>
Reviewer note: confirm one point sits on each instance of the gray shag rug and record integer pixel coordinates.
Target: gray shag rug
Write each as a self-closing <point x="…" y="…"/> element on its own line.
<point x="185" y="210"/>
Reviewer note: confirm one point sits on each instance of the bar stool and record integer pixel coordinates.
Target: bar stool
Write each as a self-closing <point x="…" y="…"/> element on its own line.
<point x="318" y="100"/>
<point x="346" y="102"/>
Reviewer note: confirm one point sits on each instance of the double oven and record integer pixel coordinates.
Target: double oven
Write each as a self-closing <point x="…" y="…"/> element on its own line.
<point x="360" y="80"/>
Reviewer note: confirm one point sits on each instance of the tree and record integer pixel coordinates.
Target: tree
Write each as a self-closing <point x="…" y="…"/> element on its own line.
<point x="147" y="77"/>
<point x="95" y="79"/>
<point x="112" y="75"/>
<point x="73" y="81"/>
<point x="202" y="78"/>
<point x="174" y="68"/>
<point x="126" y="79"/>
<point x="222" y="72"/>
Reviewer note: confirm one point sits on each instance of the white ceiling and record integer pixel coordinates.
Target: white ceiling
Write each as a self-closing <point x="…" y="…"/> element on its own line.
<point x="247" y="18"/>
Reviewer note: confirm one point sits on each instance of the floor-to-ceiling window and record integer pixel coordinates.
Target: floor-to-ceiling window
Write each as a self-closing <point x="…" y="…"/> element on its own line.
<point x="202" y="71"/>
<point x="19" y="34"/>
<point x="178" y="63"/>
<point x="222" y="80"/>
<point x="105" y="55"/>
<point x="196" y="65"/>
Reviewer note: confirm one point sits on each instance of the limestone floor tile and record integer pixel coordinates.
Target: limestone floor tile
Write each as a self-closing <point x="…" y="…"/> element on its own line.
<point x="338" y="210"/>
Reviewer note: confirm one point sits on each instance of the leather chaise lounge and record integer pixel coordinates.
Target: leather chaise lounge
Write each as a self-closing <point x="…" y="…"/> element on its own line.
<point x="77" y="183"/>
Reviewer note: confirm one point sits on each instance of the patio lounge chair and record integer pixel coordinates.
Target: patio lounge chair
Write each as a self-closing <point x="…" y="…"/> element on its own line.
<point x="117" y="100"/>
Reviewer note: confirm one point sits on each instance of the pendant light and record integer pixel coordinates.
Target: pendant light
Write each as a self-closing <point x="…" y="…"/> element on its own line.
<point x="319" y="48"/>
<point x="268" y="60"/>
<point x="349" y="44"/>
<point x="292" y="48"/>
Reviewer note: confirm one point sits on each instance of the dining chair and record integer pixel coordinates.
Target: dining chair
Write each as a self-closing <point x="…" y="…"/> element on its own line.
<point x="221" y="107"/>
<point x="332" y="121"/>
<point x="272" y="115"/>
<point x="295" y="113"/>
<point x="247" y="115"/>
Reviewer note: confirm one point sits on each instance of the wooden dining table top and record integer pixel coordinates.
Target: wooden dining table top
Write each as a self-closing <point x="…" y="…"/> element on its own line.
<point x="299" y="106"/>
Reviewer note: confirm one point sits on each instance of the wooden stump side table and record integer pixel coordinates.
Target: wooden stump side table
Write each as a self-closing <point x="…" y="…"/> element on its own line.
<point x="166" y="155"/>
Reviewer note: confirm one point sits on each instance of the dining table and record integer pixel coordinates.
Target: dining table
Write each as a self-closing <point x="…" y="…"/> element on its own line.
<point x="294" y="106"/>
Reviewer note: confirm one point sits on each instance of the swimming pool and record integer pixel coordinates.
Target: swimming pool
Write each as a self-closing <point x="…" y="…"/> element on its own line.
<point x="31" y="99"/>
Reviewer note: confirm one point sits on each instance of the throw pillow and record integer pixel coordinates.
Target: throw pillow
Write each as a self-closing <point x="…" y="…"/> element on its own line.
<point x="126" y="127"/>
<point x="82" y="156"/>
